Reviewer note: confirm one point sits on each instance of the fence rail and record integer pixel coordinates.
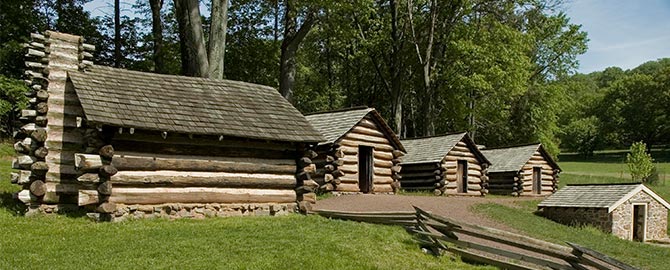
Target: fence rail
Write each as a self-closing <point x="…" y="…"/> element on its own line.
<point x="485" y="245"/>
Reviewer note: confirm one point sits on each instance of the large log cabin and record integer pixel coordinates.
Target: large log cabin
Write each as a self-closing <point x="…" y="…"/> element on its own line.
<point x="446" y="164"/>
<point x="361" y="153"/>
<point x="526" y="170"/>
<point x="132" y="144"/>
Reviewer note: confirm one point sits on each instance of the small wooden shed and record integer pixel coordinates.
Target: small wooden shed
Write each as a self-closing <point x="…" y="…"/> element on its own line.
<point x="526" y="170"/>
<point x="629" y="211"/>
<point x="361" y="152"/>
<point x="133" y="144"/>
<point x="446" y="164"/>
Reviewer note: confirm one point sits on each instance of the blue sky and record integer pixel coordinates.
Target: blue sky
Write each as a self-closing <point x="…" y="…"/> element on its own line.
<point x="622" y="33"/>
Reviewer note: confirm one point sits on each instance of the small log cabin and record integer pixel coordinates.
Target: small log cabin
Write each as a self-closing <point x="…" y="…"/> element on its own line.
<point x="446" y="164"/>
<point x="526" y="170"/>
<point x="129" y="144"/>
<point x="361" y="153"/>
<point x="629" y="211"/>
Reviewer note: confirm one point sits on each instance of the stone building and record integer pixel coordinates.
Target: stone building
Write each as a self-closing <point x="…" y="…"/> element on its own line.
<point x="629" y="211"/>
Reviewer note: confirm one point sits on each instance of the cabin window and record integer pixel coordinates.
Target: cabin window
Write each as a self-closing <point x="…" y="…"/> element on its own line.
<point x="462" y="176"/>
<point x="537" y="180"/>
<point x="365" y="168"/>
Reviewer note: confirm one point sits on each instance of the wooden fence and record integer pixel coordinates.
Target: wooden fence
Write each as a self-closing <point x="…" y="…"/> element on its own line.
<point x="485" y="245"/>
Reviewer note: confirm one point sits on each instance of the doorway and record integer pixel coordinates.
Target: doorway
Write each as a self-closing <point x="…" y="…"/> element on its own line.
<point x="639" y="222"/>
<point x="365" y="168"/>
<point x="537" y="180"/>
<point x="462" y="176"/>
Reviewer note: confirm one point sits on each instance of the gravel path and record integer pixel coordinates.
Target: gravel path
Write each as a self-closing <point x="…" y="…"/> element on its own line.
<point x="454" y="207"/>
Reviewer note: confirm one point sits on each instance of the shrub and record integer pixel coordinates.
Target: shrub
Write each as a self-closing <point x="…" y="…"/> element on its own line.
<point x="639" y="162"/>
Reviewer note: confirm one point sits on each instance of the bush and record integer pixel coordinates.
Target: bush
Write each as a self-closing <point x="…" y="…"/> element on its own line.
<point x="12" y="100"/>
<point x="639" y="162"/>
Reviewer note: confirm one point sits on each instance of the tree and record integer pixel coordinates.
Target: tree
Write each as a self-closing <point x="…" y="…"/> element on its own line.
<point x="294" y="33"/>
<point x="12" y="100"/>
<point x="639" y="162"/>
<point x="197" y="60"/>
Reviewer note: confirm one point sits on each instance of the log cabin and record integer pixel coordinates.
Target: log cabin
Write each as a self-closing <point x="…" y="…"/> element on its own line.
<point x="524" y="170"/>
<point x="361" y="153"/>
<point x="628" y="211"/>
<point x="446" y="164"/>
<point x="125" y="144"/>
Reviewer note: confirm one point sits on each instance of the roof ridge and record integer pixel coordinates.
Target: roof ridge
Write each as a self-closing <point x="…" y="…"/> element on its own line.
<point x="340" y="110"/>
<point x="434" y="136"/>
<point x="173" y="76"/>
<point x="511" y="146"/>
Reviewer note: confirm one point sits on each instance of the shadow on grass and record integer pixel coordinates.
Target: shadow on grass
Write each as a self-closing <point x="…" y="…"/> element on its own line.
<point x="7" y="201"/>
<point x="613" y="156"/>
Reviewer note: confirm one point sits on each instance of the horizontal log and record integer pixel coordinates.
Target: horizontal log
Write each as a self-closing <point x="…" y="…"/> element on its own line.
<point x="199" y="195"/>
<point x="383" y="163"/>
<point x="38" y="188"/>
<point x="366" y="138"/>
<point x="461" y="154"/>
<point x="382" y="171"/>
<point x="363" y="130"/>
<point x="463" y="149"/>
<point x="398" y="153"/>
<point x="28" y="113"/>
<point x="213" y="141"/>
<point x="25" y="196"/>
<point x="185" y="149"/>
<point x="385" y="188"/>
<point x="197" y="179"/>
<point x="382" y="180"/>
<point x="346" y="187"/>
<point x="456" y="158"/>
<point x="23" y="162"/>
<point x="88" y="163"/>
<point x="383" y="155"/>
<point x="396" y="169"/>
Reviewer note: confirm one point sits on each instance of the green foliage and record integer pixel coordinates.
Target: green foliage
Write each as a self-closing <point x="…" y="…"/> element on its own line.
<point x="12" y="100"/>
<point x="582" y="136"/>
<point x="639" y="162"/>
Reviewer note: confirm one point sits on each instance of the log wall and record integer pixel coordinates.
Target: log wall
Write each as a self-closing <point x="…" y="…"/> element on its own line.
<point x="50" y="137"/>
<point x="337" y="164"/>
<point x="549" y="176"/>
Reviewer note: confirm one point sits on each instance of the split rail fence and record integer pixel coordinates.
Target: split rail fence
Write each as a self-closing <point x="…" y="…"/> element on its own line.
<point x="485" y="245"/>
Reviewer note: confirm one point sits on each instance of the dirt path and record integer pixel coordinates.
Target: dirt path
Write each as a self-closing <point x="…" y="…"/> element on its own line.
<point x="454" y="207"/>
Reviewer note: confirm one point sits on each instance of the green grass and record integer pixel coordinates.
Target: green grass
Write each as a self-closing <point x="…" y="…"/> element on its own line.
<point x="287" y="242"/>
<point x="645" y="256"/>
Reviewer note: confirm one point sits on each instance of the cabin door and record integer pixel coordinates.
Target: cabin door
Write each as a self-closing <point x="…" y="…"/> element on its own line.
<point x="537" y="180"/>
<point x="365" y="168"/>
<point x="639" y="222"/>
<point x="462" y="176"/>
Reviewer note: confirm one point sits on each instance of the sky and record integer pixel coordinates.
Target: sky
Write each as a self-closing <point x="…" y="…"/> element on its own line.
<point x="622" y="33"/>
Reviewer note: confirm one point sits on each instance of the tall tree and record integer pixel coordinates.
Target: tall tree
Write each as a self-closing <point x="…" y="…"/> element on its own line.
<point x="117" y="34"/>
<point x="196" y="59"/>
<point x="157" y="36"/>
<point x="294" y="33"/>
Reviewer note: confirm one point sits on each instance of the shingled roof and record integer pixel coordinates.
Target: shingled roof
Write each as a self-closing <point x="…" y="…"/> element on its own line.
<point x="149" y="101"/>
<point x="597" y="196"/>
<point x="335" y="124"/>
<point x="512" y="159"/>
<point x="434" y="149"/>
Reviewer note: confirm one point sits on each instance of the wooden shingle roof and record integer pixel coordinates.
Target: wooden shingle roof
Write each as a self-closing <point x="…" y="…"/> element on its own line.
<point x="512" y="159"/>
<point x="597" y="196"/>
<point x="189" y="105"/>
<point x="333" y="125"/>
<point x="434" y="149"/>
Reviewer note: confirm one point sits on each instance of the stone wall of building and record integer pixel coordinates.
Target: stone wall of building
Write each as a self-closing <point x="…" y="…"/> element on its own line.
<point x="657" y="218"/>
<point x="597" y="217"/>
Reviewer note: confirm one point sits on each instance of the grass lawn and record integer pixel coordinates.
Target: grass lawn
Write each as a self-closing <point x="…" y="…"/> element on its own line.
<point x="645" y="256"/>
<point x="288" y="242"/>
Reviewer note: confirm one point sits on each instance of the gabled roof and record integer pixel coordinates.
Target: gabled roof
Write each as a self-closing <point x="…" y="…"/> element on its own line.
<point x="513" y="158"/>
<point x="333" y="125"/>
<point x="190" y="105"/>
<point x="608" y="196"/>
<point x="436" y="148"/>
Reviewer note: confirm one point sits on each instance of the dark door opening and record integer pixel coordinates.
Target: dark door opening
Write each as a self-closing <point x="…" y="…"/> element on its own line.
<point x="537" y="180"/>
<point x="365" y="168"/>
<point x="639" y="222"/>
<point x="462" y="176"/>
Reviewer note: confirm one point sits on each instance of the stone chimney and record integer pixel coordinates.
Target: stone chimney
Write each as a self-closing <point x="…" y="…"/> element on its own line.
<point x="46" y="144"/>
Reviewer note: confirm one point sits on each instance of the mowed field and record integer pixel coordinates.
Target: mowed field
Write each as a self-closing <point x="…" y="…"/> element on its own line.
<point x="604" y="167"/>
<point x="287" y="242"/>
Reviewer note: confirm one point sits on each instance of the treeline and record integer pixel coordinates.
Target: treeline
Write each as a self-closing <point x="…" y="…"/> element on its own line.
<point x="613" y="108"/>
<point x="429" y="66"/>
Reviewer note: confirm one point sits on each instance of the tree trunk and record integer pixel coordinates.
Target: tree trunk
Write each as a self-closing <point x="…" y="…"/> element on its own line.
<point x="192" y="40"/>
<point x="292" y="38"/>
<point x="396" y="69"/>
<point x="217" y="38"/>
<point x="157" y="32"/>
<point x="117" y="34"/>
